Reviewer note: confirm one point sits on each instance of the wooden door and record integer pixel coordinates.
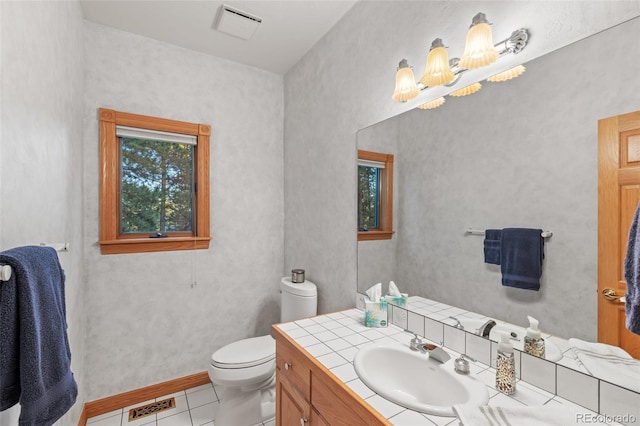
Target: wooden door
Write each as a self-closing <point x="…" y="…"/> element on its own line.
<point x="618" y="197"/>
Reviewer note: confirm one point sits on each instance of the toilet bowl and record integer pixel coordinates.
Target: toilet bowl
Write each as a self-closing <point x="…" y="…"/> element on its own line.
<point x="245" y="370"/>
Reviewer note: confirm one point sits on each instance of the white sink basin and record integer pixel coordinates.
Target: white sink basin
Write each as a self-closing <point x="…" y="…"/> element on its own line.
<point x="414" y="381"/>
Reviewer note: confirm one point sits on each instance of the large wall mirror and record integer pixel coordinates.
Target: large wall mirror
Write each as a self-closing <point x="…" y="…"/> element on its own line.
<point x="521" y="153"/>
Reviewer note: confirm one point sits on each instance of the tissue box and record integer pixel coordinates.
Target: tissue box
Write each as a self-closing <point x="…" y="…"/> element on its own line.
<point x="400" y="301"/>
<point x="375" y="313"/>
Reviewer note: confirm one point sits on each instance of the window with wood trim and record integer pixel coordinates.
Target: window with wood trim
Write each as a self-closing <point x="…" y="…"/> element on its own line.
<point x="375" y="196"/>
<point x="154" y="184"/>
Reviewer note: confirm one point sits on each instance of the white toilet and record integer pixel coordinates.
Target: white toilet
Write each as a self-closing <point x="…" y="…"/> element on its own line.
<point x="246" y="369"/>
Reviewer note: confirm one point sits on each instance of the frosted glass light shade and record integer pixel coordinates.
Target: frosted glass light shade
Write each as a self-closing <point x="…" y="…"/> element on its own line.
<point x="473" y="88"/>
<point x="437" y="71"/>
<point x="507" y="75"/>
<point x="479" y="50"/>
<point x="406" y="88"/>
<point x="433" y="104"/>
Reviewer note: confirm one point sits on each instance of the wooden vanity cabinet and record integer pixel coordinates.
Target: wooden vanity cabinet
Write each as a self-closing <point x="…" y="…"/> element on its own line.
<point x="308" y="394"/>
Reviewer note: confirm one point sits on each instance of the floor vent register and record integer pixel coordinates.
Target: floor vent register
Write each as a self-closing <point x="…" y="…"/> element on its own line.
<point x="153" y="408"/>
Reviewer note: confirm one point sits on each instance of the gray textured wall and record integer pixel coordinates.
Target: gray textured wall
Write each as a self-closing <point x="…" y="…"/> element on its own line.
<point x="148" y="321"/>
<point x="41" y="150"/>
<point x="526" y="156"/>
<point x="344" y="84"/>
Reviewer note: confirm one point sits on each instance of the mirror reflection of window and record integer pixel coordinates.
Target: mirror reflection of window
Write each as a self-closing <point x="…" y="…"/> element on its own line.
<point x="375" y="195"/>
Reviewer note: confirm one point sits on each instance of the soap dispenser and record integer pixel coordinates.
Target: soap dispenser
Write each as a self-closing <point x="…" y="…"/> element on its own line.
<point x="533" y="341"/>
<point x="505" y="366"/>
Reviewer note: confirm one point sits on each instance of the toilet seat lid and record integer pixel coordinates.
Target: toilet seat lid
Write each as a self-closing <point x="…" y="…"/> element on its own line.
<point x="245" y="353"/>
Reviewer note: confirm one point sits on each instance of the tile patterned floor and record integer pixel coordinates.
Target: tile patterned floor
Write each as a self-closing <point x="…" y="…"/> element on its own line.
<point x="194" y="407"/>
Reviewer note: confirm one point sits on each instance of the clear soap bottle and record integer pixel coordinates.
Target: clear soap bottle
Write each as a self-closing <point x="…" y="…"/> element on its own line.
<point x="533" y="341"/>
<point x="505" y="367"/>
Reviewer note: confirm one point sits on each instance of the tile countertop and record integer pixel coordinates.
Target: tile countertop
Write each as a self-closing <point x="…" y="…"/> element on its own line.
<point x="333" y="339"/>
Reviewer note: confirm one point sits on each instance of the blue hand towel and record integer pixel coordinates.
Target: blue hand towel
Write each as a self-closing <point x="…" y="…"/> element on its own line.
<point x="521" y="254"/>
<point x="632" y="276"/>
<point x="35" y="360"/>
<point x="492" y="243"/>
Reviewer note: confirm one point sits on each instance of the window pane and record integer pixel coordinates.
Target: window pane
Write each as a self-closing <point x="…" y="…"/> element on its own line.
<point x="156" y="186"/>
<point x="368" y="197"/>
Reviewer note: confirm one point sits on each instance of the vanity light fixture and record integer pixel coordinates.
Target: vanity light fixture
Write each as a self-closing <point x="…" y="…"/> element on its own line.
<point x="479" y="52"/>
<point x="406" y="87"/>
<point x="437" y="70"/>
<point x="433" y="104"/>
<point x="507" y="75"/>
<point x="472" y="88"/>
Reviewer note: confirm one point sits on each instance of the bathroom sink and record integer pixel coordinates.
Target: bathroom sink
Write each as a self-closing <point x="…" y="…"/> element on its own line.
<point x="414" y="381"/>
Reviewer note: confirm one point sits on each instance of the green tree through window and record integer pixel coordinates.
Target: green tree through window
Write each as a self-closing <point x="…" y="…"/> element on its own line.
<point x="375" y="195"/>
<point x="156" y="186"/>
<point x="368" y="195"/>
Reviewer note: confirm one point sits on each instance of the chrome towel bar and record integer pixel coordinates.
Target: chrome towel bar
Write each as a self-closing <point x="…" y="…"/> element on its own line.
<point x="544" y="234"/>
<point x="5" y="270"/>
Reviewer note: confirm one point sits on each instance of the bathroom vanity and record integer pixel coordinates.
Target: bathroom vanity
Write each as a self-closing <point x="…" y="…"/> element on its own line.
<point x="308" y="394"/>
<point x="317" y="382"/>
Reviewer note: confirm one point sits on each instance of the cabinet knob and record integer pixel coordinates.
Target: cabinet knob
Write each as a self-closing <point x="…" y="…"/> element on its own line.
<point x="286" y="367"/>
<point x="303" y="421"/>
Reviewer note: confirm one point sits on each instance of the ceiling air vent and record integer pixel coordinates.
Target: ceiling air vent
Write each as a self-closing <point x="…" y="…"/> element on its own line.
<point x="236" y="22"/>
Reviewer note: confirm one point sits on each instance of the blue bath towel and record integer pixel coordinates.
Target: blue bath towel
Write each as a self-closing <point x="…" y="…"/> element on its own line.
<point x="492" y="243"/>
<point x="35" y="360"/>
<point x="521" y="254"/>
<point x="632" y="276"/>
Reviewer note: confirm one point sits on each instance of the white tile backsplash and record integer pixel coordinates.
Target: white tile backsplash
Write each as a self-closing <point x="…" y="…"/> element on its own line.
<point x="399" y="317"/>
<point x="434" y="330"/>
<point x="538" y="372"/>
<point x="416" y="324"/>
<point x="620" y="403"/>
<point x="454" y="339"/>
<point x="479" y="348"/>
<point x="578" y="387"/>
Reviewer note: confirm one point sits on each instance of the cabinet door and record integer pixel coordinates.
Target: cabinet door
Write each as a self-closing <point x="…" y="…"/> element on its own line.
<point x="291" y="408"/>
<point x="337" y="405"/>
<point x="316" y="419"/>
<point x="293" y="367"/>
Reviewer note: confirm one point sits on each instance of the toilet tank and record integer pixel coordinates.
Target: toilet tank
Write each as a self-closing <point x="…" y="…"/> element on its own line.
<point x="298" y="300"/>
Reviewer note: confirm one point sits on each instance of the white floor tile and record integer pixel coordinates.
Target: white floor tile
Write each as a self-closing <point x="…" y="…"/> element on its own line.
<point x="181" y="405"/>
<point x="204" y="414"/>
<point x="199" y="388"/>
<point x="110" y="420"/>
<point x="115" y="416"/>
<point x="171" y="395"/>
<point x="139" y="422"/>
<point x="201" y="397"/>
<point x="180" y="419"/>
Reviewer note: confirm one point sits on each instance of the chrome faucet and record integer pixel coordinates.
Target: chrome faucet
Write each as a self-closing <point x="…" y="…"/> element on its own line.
<point x="439" y="354"/>
<point x="461" y="365"/>
<point x="416" y="344"/>
<point x="485" y="328"/>
<point x="435" y="352"/>
<point x="458" y="325"/>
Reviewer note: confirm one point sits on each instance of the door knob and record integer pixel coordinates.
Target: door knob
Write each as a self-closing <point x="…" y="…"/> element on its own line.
<point x="610" y="294"/>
